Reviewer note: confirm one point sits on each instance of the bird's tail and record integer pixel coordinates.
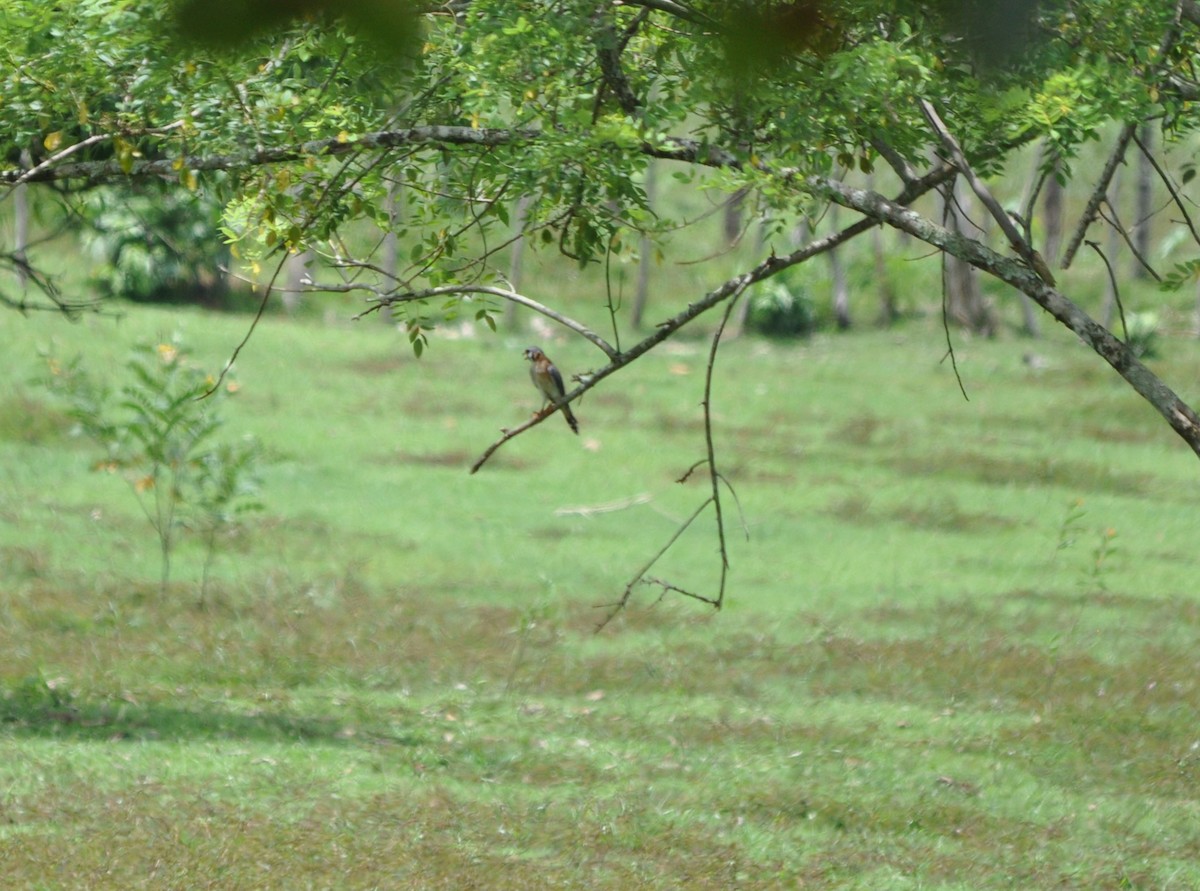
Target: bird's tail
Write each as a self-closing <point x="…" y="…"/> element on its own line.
<point x="566" y="410"/>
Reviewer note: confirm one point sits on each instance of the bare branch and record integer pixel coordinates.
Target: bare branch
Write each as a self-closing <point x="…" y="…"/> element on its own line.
<point x="678" y="10"/>
<point x="765" y="269"/>
<point x="1112" y="281"/>
<point x="1115" y="222"/>
<point x="1178" y="414"/>
<point x="1099" y="194"/>
<point x="615" y="608"/>
<point x="566" y="321"/>
<point x="1127" y="133"/>
<point x="1015" y="238"/>
<point x="590" y="510"/>
<point x="170" y="167"/>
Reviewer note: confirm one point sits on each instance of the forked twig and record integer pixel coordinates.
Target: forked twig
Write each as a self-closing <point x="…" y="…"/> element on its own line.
<point x="566" y="321"/>
<point x="615" y="608"/>
<point x="1115" y="222"/>
<point x="714" y="498"/>
<point x="1112" y="280"/>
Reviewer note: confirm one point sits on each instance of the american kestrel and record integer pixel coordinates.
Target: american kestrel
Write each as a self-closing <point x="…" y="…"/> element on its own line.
<point x="549" y="383"/>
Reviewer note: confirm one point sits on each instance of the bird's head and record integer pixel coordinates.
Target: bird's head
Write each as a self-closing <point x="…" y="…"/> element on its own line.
<point x="533" y="353"/>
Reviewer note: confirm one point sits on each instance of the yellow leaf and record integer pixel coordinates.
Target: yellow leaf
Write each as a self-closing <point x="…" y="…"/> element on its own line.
<point x="124" y="152"/>
<point x="52" y="140"/>
<point x="343" y="137"/>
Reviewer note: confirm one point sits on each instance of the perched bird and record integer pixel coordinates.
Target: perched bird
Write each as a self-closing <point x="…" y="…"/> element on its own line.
<point x="549" y="382"/>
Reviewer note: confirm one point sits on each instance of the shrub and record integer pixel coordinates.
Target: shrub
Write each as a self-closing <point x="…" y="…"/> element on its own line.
<point x="158" y="432"/>
<point x="779" y="308"/>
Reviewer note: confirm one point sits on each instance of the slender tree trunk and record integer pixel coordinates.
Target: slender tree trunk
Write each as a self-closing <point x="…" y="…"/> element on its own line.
<point x="1144" y="195"/>
<point x="516" y="260"/>
<point x="734" y="212"/>
<point x="646" y="251"/>
<point x="1052" y="215"/>
<point x="888" y="310"/>
<point x="295" y="278"/>
<point x="964" y="299"/>
<point x="1052" y="228"/>
<point x="21" y="221"/>
<point x="1113" y="245"/>
<point x="841" y="291"/>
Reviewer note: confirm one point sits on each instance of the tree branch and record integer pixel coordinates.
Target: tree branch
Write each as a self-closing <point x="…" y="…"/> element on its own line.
<point x="678" y="10"/>
<point x="1015" y="238"/>
<point x="566" y="321"/>
<point x="169" y="167"/>
<point x="1099" y="194"/>
<point x="1127" y="132"/>
<point x="1178" y="414"/>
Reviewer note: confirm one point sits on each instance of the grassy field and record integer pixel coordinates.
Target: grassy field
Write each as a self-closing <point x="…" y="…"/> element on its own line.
<point x="961" y="648"/>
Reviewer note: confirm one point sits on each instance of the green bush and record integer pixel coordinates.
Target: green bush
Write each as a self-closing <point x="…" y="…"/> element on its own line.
<point x="779" y="308"/>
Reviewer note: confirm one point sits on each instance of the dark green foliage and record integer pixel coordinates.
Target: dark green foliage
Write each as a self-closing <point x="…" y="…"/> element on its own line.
<point x="158" y="245"/>
<point x="781" y="308"/>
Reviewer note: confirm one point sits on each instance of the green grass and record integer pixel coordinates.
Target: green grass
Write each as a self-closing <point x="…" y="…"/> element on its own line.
<point x="959" y="651"/>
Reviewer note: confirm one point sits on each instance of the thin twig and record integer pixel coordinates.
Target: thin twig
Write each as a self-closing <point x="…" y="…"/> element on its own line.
<point x="1099" y="194"/>
<point x="622" y="602"/>
<point x="606" y="508"/>
<point x="237" y="350"/>
<point x="1015" y="238"/>
<point x="714" y="498"/>
<point x="1166" y="181"/>
<point x="1112" y="280"/>
<point x="1115" y="222"/>
<point x="566" y="321"/>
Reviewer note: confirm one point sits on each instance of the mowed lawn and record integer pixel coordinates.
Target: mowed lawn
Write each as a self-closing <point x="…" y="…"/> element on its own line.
<point x="960" y="647"/>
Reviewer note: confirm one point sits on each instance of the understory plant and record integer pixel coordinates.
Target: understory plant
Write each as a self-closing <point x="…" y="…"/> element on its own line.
<point x="158" y="431"/>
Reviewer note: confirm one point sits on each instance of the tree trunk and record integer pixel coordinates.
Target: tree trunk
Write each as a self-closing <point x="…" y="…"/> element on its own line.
<point x="516" y="261"/>
<point x="965" y="303"/>
<point x="841" y="292"/>
<point x="889" y="312"/>
<point x="296" y="278"/>
<point x="734" y="211"/>
<point x="1144" y="195"/>
<point x="1052" y="215"/>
